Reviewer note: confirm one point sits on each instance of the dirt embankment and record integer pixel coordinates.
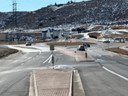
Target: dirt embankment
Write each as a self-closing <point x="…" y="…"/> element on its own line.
<point x="6" y="51"/>
<point x="118" y="50"/>
<point x="67" y="43"/>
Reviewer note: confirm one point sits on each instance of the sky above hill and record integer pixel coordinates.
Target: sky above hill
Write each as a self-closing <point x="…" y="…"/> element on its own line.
<point x="29" y="5"/>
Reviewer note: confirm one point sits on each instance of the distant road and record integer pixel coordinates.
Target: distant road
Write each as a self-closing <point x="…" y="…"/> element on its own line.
<point x="3" y="46"/>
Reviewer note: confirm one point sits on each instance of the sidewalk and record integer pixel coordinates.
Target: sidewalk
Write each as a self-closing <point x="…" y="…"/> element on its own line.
<point x="78" y="55"/>
<point x="50" y="82"/>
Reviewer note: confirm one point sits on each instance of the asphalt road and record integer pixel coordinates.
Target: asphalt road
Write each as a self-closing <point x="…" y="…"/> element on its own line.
<point x="107" y="76"/>
<point x="15" y="70"/>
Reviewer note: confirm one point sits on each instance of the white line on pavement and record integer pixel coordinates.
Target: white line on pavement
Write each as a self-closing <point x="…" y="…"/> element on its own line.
<point x="47" y="59"/>
<point x="50" y="59"/>
<point x="115" y="73"/>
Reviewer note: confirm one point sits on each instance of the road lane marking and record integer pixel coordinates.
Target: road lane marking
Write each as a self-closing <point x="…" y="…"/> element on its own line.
<point x="50" y="59"/>
<point x="35" y="84"/>
<point x="47" y="59"/>
<point x="115" y="73"/>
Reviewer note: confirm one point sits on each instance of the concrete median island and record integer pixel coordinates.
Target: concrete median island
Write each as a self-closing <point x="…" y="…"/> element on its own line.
<point x="55" y="82"/>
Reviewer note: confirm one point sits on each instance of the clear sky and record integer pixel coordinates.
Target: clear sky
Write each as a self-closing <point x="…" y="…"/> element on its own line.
<point x="29" y="5"/>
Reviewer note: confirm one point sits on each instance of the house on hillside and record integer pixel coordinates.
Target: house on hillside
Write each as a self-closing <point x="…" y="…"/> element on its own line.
<point x="22" y="36"/>
<point x="54" y="34"/>
<point x="120" y="38"/>
<point x="46" y="34"/>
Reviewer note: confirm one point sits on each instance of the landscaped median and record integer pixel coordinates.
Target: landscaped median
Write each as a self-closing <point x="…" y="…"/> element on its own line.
<point x="67" y="43"/>
<point x="7" y="51"/>
<point x="55" y="82"/>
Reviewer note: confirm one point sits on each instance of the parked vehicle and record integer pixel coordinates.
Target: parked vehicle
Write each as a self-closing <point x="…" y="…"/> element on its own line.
<point x="107" y="41"/>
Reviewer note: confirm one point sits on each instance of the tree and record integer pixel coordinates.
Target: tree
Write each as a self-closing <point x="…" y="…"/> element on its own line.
<point x="55" y="4"/>
<point x="68" y="2"/>
<point x="71" y="1"/>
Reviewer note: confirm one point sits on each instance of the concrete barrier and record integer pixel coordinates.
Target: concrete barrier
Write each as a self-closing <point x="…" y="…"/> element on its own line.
<point x="35" y="84"/>
<point x="31" y="86"/>
<point x="70" y="86"/>
<point x="78" y="89"/>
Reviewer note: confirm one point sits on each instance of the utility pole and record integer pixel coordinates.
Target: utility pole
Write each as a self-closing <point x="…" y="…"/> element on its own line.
<point x="14" y="4"/>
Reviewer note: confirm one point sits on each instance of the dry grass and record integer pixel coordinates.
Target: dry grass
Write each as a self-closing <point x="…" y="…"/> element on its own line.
<point x="67" y="43"/>
<point x="119" y="27"/>
<point x="11" y="43"/>
<point x="18" y="42"/>
<point x="118" y="50"/>
<point x="6" y="51"/>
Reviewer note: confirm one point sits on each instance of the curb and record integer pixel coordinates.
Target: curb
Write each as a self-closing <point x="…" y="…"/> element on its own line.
<point x="75" y="85"/>
<point x="71" y="79"/>
<point x="31" y="88"/>
<point x="78" y="90"/>
<point x="35" y="84"/>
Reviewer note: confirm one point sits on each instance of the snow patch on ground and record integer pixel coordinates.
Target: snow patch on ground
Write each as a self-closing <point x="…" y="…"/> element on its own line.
<point x="30" y="48"/>
<point x="54" y="8"/>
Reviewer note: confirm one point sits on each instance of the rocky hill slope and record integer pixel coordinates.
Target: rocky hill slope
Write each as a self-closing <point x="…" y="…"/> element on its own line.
<point x="92" y="11"/>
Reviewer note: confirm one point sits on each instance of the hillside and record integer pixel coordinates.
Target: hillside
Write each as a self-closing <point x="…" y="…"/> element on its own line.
<point x="93" y="11"/>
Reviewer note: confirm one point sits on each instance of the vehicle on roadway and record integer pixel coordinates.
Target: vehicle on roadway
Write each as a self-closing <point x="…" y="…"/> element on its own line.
<point x="81" y="48"/>
<point x="107" y="41"/>
<point x="86" y="45"/>
<point x="28" y="43"/>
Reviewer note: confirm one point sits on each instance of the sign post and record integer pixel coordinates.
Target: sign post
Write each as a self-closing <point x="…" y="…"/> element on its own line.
<point x="86" y="55"/>
<point x="52" y="49"/>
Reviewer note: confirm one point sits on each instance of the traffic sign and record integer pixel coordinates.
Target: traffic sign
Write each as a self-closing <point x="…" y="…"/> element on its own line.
<point x="51" y="47"/>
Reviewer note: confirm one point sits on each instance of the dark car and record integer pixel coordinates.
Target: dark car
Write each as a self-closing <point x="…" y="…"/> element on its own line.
<point x="86" y="45"/>
<point x="28" y="43"/>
